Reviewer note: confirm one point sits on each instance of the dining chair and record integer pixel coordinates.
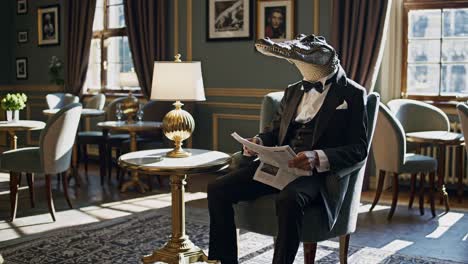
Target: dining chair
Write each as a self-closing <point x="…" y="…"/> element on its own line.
<point x="259" y="216"/>
<point x="59" y="100"/>
<point x="52" y="156"/>
<point x="95" y="102"/>
<point x="389" y="149"/>
<point x="107" y="142"/>
<point x="417" y="116"/>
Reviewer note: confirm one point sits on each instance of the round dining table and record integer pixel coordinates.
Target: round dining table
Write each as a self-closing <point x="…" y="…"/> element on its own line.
<point x="22" y="125"/>
<point x="133" y="128"/>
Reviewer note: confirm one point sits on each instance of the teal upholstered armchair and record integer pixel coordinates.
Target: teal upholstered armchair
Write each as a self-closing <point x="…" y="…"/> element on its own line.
<point x="260" y="216"/>
<point x="52" y="156"/>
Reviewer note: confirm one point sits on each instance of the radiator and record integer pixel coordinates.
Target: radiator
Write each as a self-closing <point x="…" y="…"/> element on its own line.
<point x="451" y="160"/>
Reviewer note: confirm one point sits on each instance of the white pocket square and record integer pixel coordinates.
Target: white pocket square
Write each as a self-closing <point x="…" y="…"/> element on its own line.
<point x="342" y="106"/>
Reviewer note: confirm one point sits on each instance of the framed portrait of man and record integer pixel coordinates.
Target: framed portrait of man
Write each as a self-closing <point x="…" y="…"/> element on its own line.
<point x="275" y="19"/>
<point x="48" y="25"/>
<point x="229" y="20"/>
<point x="21" y="68"/>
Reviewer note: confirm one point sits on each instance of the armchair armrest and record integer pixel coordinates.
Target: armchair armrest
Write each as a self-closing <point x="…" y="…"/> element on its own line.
<point x="239" y="160"/>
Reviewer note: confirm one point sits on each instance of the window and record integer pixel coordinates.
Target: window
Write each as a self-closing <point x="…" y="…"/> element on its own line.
<point x="110" y="66"/>
<point x="435" y="55"/>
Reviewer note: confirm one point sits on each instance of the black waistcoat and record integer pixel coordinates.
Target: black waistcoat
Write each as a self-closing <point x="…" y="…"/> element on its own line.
<point x="299" y="136"/>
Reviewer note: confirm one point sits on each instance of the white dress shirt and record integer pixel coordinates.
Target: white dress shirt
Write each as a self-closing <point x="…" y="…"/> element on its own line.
<point x="307" y="109"/>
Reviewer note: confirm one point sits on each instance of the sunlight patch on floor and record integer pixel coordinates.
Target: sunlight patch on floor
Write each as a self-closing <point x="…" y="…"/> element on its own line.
<point x="388" y="250"/>
<point x="445" y="222"/>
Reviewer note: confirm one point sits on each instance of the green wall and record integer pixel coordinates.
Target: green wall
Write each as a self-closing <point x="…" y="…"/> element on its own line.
<point x="38" y="56"/>
<point x="236" y="64"/>
<point x="6" y="19"/>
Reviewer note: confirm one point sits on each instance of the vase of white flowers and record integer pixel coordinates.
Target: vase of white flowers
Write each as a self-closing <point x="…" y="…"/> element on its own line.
<point x="12" y="103"/>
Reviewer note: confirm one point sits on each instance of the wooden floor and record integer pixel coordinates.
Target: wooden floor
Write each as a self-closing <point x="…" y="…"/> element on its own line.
<point x="93" y="203"/>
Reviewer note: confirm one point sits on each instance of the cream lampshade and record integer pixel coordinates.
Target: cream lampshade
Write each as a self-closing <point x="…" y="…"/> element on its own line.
<point x="178" y="81"/>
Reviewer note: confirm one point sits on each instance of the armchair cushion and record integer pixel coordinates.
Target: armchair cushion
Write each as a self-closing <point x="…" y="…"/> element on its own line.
<point x="22" y="160"/>
<point x="415" y="163"/>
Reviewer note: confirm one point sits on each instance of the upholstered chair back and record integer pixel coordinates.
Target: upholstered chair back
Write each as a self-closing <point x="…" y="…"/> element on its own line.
<point x="125" y="101"/>
<point x="59" y="100"/>
<point x="96" y="102"/>
<point x="418" y="116"/>
<point x="270" y="105"/>
<point x="463" y="114"/>
<point x="389" y="144"/>
<point x="156" y="110"/>
<point x="58" y="137"/>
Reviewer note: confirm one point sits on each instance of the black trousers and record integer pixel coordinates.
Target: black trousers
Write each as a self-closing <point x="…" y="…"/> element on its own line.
<point x="240" y="186"/>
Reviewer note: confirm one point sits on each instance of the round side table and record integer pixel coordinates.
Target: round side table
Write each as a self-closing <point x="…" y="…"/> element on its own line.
<point x="179" y="249"/>
<point x="441" y="139"/>
<point x="21" y="125"/>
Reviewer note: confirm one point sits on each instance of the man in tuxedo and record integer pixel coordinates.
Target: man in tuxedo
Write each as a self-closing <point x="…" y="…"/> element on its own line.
<point x="323" y="119"/>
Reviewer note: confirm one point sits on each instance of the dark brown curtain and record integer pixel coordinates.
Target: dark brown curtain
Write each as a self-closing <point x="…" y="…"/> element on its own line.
<point x="357" y="32"/>
<point x="80" y="16"/>
<point x="147" y="34"/>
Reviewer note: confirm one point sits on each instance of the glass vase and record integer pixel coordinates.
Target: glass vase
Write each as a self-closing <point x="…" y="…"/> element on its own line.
<point x="16" y="116"/>
<point x="9" y="115"/>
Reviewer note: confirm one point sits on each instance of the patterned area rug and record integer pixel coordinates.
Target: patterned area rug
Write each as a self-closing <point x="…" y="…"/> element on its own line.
<point x="126" y="239"/>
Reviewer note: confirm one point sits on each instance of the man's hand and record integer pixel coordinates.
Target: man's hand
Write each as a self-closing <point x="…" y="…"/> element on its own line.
<point x="247" y="151"/>
<point x="305" y="160"/>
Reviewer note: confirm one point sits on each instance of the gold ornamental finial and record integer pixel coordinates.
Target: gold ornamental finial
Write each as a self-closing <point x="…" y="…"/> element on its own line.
<point x="177" y="58"/>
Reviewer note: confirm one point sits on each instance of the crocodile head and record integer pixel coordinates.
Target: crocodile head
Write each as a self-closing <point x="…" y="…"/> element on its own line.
<point x="311" y="54"/>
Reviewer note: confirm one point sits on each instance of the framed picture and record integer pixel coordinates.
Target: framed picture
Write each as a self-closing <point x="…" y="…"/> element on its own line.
<point x="22" y="36"/>
<point x="21" y="7"/>
<point x="229" y="20"/>
<point x="21" y="68"/>
<point x="48" y="27"/>
<point x="275" y="19"/>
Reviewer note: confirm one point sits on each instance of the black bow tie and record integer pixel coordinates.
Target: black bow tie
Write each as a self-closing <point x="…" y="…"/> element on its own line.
<point x="318" y="86"/>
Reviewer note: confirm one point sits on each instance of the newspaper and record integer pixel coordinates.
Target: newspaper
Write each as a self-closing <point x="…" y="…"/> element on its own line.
<point x="273" y="169"/>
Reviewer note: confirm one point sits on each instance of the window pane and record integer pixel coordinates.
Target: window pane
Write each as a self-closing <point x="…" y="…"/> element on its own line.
<point x="456" y="22"/>
<point x="98" y="22"/>
<point x="423" y="79"/>
<point x="93" y="78"/>
<point x="455" y="50"/>
<point x="454" y="79"/>
<point x="115" y="2"/>
<point x="424" y="51"/>
<point x="116" y="16"/>
<point x="424" y="23"/>
<point x="119" y="60"/>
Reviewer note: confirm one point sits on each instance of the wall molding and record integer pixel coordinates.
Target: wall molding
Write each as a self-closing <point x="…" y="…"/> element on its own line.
<point x="232" y="105"/>
<point x="316" y="17"/>
<point x="176" y="26"/>
<point x="217" y="116"/>
<point x="239" y="92"/>
<point x="189" y="30"/>
<point x="32" y="88"/>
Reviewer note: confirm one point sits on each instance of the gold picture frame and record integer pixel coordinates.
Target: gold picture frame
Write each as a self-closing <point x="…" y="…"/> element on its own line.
<point x="48" y="25"/>
<point x="276" y="19"/>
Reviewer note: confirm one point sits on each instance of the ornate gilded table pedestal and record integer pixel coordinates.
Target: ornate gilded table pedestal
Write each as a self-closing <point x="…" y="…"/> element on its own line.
<point x="179" y="249"/>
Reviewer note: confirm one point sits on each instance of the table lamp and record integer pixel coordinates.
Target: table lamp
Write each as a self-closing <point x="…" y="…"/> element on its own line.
<point x="178" y="81"/>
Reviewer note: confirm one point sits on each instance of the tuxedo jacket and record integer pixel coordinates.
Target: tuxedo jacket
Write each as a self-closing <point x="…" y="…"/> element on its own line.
<point x="341" y="133"/>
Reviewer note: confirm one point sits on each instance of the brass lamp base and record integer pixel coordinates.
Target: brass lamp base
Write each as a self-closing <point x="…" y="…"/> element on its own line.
<point x="178" y="125"/>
